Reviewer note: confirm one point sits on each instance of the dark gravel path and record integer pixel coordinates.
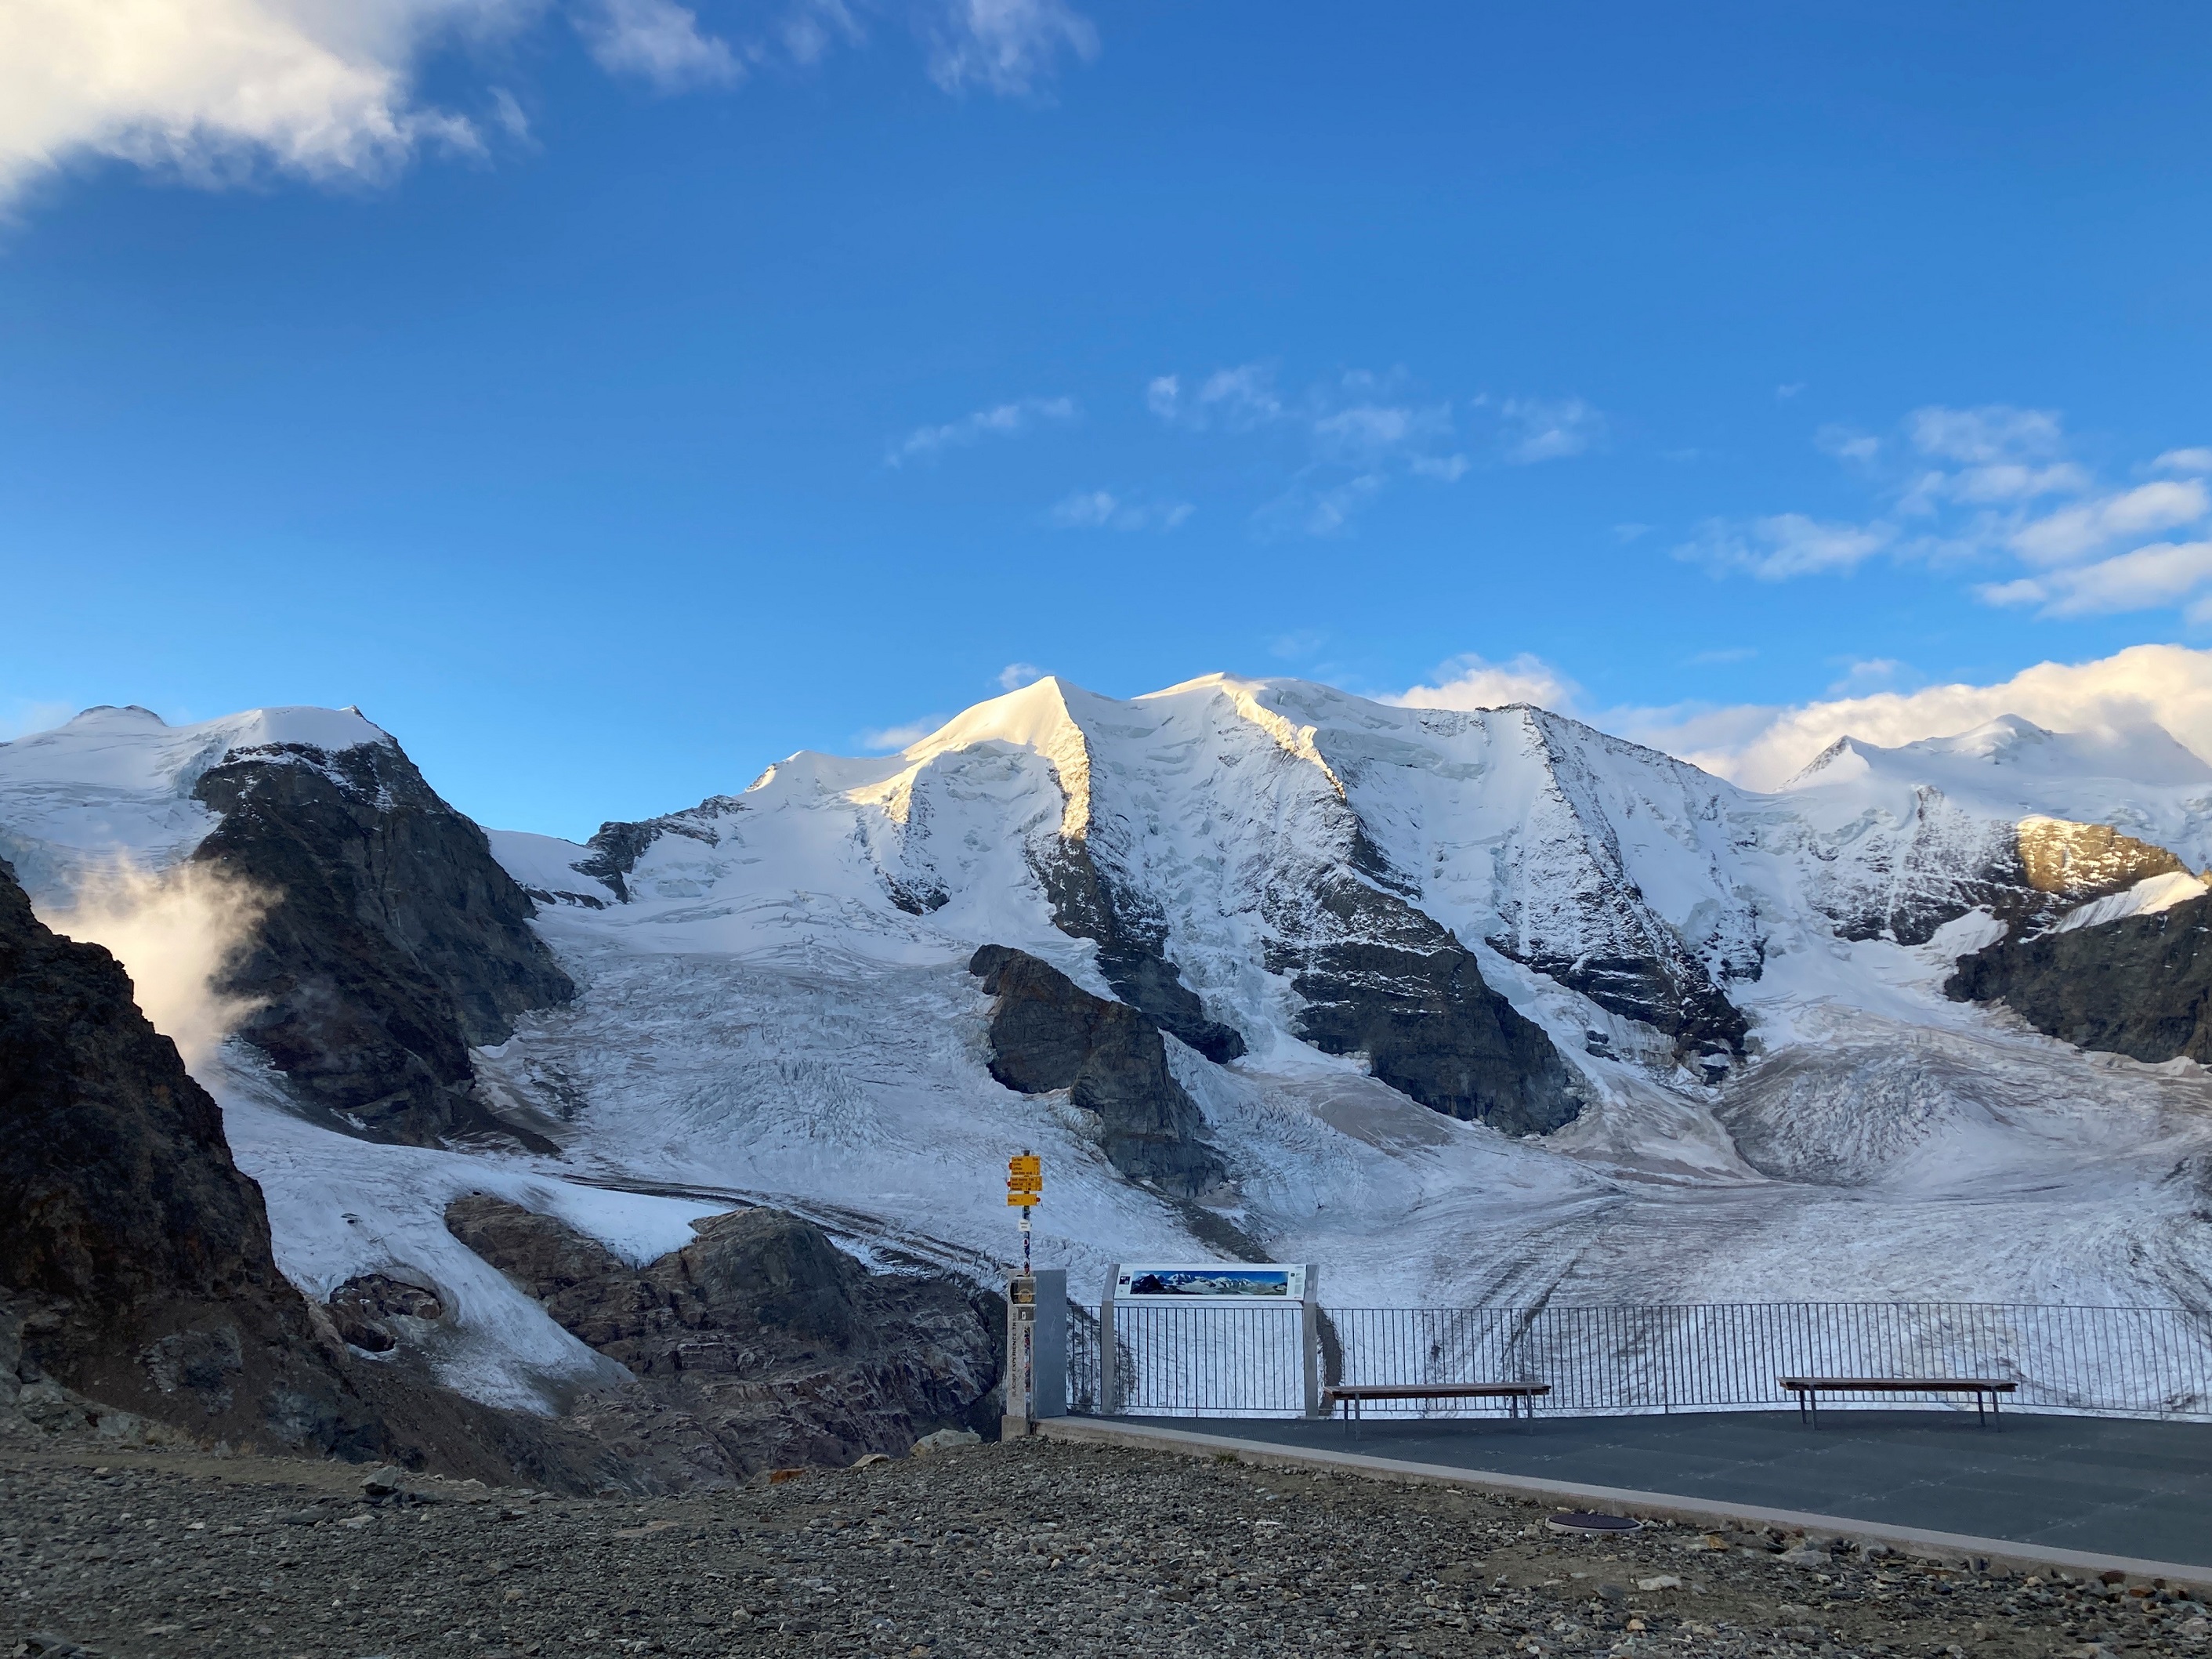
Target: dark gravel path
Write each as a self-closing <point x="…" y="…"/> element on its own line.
<point x="1031" y="1548"/>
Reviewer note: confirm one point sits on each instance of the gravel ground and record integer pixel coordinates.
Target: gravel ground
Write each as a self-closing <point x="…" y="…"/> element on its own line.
<point x="1027" y="1548"/>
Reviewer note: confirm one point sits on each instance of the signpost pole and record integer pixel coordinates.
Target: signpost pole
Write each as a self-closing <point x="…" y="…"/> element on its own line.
<point x="1024" y="1191"/>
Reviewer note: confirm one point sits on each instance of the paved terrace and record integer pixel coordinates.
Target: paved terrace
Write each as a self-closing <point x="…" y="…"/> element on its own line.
<point x="2111" y="1485"/>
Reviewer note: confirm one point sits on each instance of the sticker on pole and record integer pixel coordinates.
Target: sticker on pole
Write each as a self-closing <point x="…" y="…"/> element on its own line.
<point x="1213" y="1280"/>
<point x="1025" y="1180"/>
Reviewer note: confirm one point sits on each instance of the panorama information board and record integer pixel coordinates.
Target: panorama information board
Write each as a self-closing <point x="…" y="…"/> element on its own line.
<point x="1263" y="1282"/>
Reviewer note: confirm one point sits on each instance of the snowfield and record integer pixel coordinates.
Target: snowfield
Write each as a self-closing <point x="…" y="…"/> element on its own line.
<point x="774" y="1007"/>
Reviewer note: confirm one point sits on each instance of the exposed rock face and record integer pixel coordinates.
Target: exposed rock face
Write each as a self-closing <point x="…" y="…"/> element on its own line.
<point x="2139" y="987"/>
<point x="759" y="1344"/>
<point x="1048" y="1033"/>
<point x="1572" y="911"/>
<point x="1132" y="940"/>
<point x="617" y="848"/>
<point x="367" y="1308"/>
<point x="136" y="1278"/>
<point x="1383" y="980"/>
<point x="1904" y="881"/>
<point x="139" y="1252"/>
<point x="393" y="943"/>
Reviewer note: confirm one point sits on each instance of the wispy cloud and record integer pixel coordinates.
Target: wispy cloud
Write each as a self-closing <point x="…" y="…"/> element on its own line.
<point x="1786" y="544"/>
<point x="1473" y="682"/>
<point x="1009" y="47"/>
<point x="1762" y="746"/>
<point x="1016" y="675"/>
<point x="20" y="716"/>
<point x="1553" y="429"/>
<point x="1002" y="421"/>
<point x="888" y="739"/>
<point x="657" y="41"/>
<point x="1102" y="509"/>
<point x="1991" y="485"/>
<point x="219" y="92"/>
<point x="1355" y="435"/>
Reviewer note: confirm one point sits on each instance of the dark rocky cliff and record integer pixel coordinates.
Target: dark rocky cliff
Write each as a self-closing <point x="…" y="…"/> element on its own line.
<point x="759" y="1344"/>
<point x="137" y="1282"/>
<point x="1048" y="1032"/>
<point x="2139" y="987"/>
<point x="393" y="942"/>
<point x="1132" y="940"/>
<point x="1380" y="978"/>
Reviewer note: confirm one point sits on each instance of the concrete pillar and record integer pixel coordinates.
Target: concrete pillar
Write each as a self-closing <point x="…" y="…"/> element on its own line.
<point x="1310" y="1339"/>
<point x="1109" y="1372"/>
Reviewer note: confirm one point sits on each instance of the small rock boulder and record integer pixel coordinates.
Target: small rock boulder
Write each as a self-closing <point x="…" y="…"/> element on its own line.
<point x="946" y="1440"/>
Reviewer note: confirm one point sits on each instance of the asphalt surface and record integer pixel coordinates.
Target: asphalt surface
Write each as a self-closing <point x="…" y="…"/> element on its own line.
<point x="2116" y="1487"/>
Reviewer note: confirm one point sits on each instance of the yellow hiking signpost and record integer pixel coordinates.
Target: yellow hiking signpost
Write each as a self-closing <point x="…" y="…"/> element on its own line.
<point x="1025" y="1190"/>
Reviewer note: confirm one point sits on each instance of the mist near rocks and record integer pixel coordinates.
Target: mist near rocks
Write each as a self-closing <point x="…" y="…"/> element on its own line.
<point x="177" y="932"/>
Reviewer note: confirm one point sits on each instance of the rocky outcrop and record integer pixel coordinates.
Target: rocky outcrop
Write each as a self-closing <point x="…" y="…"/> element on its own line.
<point x="759" y="1344"/>
<point x="1380" y="979"/>
<point x="372" y="1310"/>
<point x="1905" y="880"/>
<point x="2139" y="987"/>
<point x="1131" y="939"/>
<point x="1047" y="1033"/>
<point x="392" y="943"/>
<point x="137" y="1282"/>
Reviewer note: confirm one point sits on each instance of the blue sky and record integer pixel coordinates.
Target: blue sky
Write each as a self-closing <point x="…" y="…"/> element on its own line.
<point x="611" y="399"/>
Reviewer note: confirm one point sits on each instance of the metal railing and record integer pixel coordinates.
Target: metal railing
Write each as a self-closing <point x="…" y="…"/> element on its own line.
<point x="1202" y="1360"/>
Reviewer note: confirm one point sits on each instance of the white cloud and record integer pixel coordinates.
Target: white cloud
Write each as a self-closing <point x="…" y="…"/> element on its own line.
<point x="1005" y="45"/>
<point x="1472" y="682"/>
<point x="659" y="41"/>
<point x="1980" y="486"/>
<point x="1003" y="420"/>
<point x="177" y="934"/>
<point x="2164" y="572"/>
<point x="1102" y="509"/>
<point x="2064" y="536"/>
<point x="886" y="739"/>
<point x="1785" y="545"/>
<point x="1761" y="746"/>
<point x="1993" y="433"/>
<point x="1359" y="433"/>
<point x="216" y="92"/>
<point x="212" y="90"/>
<point x="1016" y="675"/>
<point x="1238" y="399"/>
<point x="1538" y="429"/>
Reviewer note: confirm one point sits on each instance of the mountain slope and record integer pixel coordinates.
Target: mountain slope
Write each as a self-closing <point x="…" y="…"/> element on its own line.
<point x="1466" y="1005"/>
<point x="390" y="941"/>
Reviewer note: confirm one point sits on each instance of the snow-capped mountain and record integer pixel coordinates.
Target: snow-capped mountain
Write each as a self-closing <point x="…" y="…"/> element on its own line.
<point x="1466" y="1006"/>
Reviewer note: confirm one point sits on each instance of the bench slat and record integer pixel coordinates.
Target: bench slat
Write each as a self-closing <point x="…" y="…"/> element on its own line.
<point x="1432" y="1391"/>
<point x="1898" y="1384"/>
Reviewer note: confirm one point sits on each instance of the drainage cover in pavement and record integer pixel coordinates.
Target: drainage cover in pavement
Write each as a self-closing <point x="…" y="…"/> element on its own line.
<point x="1594" y="1526"/>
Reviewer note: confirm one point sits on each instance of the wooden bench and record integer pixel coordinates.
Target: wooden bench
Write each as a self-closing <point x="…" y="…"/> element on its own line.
<point x="1520" y="1397"/>
<point x="1809" y="1390"/>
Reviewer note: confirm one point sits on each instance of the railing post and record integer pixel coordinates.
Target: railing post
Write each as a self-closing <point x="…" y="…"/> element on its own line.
<point x="1309" y="1338"/>
<point x="1109" y="1371"/>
